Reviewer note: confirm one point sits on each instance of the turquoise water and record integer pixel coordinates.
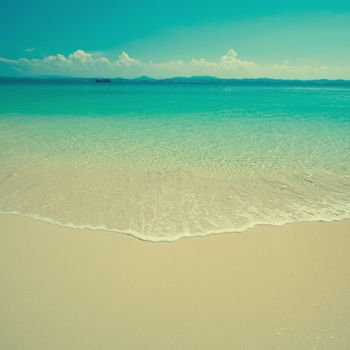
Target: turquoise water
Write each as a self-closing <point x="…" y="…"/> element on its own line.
<point x="165" y="161"/>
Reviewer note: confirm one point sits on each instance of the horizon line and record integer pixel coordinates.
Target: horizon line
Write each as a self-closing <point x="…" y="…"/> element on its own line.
<point x="144" y="78"/>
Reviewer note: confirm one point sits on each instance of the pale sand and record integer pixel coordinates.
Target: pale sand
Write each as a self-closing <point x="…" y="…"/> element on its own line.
<point x="268" y="288"/>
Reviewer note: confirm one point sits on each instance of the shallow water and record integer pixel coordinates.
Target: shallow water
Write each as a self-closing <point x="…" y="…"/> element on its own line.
<point x="166" y="161"/>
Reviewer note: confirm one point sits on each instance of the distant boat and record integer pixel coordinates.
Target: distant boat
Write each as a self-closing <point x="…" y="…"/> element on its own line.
<point x="103" y="80"/>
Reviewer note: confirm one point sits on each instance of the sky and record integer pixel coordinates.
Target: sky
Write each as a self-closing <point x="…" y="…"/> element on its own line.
<point x="229" y="39"/>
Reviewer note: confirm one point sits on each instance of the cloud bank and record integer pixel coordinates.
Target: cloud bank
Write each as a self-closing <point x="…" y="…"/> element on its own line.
<point x="85" y="64"/>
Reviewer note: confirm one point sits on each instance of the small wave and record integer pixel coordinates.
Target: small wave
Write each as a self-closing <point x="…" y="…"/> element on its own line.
<point x="175" y="237"/>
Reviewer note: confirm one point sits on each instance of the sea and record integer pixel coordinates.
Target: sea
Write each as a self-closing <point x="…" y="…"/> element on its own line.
<point x="164" y="160"/>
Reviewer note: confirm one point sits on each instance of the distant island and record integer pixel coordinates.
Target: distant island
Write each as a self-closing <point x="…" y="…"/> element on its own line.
<point x="210" y="80"/>
<point x="103" y="80"/>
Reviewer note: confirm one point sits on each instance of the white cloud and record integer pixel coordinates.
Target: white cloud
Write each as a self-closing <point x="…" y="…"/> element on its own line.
<point x="8" y="61"/>
<point x="81" y="56"/>
<point x="231" y="60"/>
<point x="125" y="59"/>
<point x="84" y="64"/>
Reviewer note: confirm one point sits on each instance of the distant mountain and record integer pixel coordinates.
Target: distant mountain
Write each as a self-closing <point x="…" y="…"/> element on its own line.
<point x="143" y="78"/>
<point x="180" y="80"/>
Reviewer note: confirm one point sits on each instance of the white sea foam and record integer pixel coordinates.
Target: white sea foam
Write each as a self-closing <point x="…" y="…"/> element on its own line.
<point x="175" y="237"/>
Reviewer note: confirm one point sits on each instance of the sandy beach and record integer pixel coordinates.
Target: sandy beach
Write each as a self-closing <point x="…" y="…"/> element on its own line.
<point x="268" y="288"/>
<point x="175" y="176"/>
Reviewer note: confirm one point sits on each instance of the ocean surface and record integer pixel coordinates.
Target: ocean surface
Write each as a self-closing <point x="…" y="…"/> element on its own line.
<point x="162" y="161"/>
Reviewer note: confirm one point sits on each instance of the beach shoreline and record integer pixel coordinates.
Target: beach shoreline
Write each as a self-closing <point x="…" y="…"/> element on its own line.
<point x="136" y="235"/>
<point x="281" y="287"/>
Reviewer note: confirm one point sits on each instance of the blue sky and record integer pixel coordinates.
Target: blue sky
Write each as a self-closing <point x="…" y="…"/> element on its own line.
<point x="287" y="39"/>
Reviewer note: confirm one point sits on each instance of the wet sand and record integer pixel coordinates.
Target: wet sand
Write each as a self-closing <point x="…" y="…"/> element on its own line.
<point x="268" y="288"/>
